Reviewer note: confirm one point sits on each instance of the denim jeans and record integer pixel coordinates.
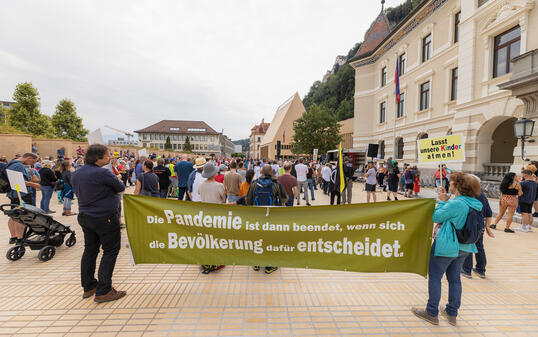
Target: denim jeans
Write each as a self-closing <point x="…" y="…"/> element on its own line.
<point x="103" y="232"/>
<point x="311" y="187"/>
<point x="67" y="204"/>
<point x="290" y="201"/>
<point x="46" y="194"/>
<point x="232" y="198"/>
<point x="437" y="184"/>
<point x="325" y="186"/>
<point x="480" y="258"/>
<point x="163" y="193"/>
<point x="438" y="266"/>
<point x="182" y="193"/>
<point x="302" y="186"/>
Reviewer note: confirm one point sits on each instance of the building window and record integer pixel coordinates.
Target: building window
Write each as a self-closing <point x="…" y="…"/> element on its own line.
<point x="401" y="65"/>
<point x="144" y="136"/>
<point x="400" y="148"/>
<point x="457" y="27"/>
<point x="401" y="106"/>
<point x="174" y="129"/>
<point x="454" y="86"/>
<point x="425" y="96"/>
<point x="161" y="146"/>
<point x="384" y="76"/>
<point x="426" y="47"/>
<point x="381" y="149"/>
<point x="174" y="146"/>
<point x="162" y="136"/>
<point x="507" y="46"/>
<point x="382" y="112"/>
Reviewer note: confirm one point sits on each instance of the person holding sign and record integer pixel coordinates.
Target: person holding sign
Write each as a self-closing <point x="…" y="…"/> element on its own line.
<point x="448" y="253"/>
<point x="16" y="229"/>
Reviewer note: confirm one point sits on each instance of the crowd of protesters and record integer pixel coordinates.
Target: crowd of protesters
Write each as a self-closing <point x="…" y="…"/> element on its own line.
<point x="98" y="179"/>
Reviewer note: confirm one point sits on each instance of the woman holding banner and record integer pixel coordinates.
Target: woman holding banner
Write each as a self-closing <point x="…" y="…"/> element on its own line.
<point x="447" y="253"/>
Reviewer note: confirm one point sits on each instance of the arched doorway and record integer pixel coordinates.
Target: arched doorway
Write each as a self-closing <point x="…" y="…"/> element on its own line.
<point x="495" y="148"/>
<point x="422" y="135"/>
<point x="381" y="152"/>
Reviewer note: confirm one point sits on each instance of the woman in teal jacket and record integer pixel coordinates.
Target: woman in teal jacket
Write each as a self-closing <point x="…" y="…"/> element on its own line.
<point x="447" y="254"/>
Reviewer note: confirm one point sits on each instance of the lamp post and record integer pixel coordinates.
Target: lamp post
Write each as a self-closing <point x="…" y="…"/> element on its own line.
<point x="523" y="128"/>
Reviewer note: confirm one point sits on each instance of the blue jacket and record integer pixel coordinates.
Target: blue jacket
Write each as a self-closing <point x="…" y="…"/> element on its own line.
<point x="454" y="212"/>
<point x="183" y="170"/>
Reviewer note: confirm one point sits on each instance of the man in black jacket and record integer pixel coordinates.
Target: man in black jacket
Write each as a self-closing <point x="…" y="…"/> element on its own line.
<point x="348" y="176"/>
<point x="97" y="190"/>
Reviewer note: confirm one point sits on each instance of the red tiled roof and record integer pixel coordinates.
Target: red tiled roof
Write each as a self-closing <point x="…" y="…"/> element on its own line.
<point x="170" y="126"/>
<point x="261" y="128"/>
<point x="378" y="31"/>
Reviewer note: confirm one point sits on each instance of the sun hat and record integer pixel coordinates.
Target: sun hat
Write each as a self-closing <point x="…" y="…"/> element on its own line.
<point x="210" y="170"/>
<point x="223" y="167"/>
<point x="199" y="162"/>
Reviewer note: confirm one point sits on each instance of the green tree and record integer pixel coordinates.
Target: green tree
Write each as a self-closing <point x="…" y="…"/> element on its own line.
<point x="317" y="128"/>
<point x="25" y="115"/>
<point x="187" y="147"/>
<point x="4" y="115"/>
<point x="168" y="144"/>
<point x="66" y="123"/>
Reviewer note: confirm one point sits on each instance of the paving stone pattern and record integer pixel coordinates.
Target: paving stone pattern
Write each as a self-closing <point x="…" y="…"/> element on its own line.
<point x="44" y="298"/>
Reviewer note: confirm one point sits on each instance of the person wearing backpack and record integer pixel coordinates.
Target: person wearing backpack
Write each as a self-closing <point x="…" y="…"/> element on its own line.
<point x="461" y="222"/>
<point x="147" y="183"/>
<point x="266" y="191"/>
<point x="16" y="229"/>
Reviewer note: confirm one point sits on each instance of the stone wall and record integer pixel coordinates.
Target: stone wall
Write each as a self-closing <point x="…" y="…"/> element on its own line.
<point x="10" y="145"/>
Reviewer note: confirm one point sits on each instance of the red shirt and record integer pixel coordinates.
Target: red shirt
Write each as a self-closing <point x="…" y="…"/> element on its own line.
<point x="219" y="178"/>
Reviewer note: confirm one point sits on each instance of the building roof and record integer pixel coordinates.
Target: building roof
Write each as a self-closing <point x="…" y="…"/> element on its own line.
<point x="346" y="126"/>
<point x="377" y="32"/>
<point x="183" y="127"/>
<point x="280" y="114"/>
<point x="260" y="128"/>
<point x="402" y="25"/>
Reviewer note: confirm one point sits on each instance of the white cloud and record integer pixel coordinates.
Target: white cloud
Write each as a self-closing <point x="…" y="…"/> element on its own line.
<point x="131" y="63"/>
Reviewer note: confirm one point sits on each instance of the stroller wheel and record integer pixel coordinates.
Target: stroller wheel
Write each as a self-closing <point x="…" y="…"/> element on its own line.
<point x="14" y="253"/>
<point x="71" y="240"/>
<point x="46" y="253"/>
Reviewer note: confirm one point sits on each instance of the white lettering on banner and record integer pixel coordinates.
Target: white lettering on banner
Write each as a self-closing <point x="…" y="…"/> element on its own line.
<point x="199" y="220"/>
<point x="358" y="248"/>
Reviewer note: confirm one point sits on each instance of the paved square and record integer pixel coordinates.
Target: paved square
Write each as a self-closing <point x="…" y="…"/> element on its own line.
<point x="44" y="298"/>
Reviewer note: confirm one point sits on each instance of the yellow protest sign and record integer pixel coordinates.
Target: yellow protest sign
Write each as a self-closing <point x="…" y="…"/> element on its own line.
<point x="441" y="149"/>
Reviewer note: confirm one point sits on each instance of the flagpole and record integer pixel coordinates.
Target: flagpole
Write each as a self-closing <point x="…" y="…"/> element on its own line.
<point x="395" y="112"/>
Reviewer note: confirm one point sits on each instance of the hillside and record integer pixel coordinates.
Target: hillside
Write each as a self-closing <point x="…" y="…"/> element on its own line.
<point x="337" y="92"/>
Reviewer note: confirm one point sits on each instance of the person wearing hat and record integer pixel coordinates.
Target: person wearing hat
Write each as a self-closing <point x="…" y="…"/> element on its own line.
<point x="219" y="177"/>
<point x="195" y="179"/>
<point x="211" y="192"/>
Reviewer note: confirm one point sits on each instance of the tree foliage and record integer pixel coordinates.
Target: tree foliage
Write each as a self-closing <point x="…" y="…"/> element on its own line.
<point x="66" y="123"/>
<point x="187" y="147"/>
<point x="25" y="115"/>
<point x="317" y="128"/>
<point x="398" y="13"/>
<point x="168" y="144"/>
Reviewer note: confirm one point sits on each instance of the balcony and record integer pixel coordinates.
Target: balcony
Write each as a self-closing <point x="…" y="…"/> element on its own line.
<point x="495" y="171"/>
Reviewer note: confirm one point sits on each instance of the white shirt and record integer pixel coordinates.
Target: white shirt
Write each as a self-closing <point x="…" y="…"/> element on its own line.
<point x="256" y="172"/>
<point x="198" y="179"/>
<point x="301" y="170"/>
<point x="326" y="173"/>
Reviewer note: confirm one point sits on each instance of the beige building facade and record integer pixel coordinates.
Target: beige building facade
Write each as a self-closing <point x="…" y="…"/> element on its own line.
<point x="256" y="135"/>
<point x="281" y="129"/>
<point x="452" y="55"/>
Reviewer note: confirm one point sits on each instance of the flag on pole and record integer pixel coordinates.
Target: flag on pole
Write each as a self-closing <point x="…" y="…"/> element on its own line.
<point x="283" y="136"/>
<point x="397" y="82"/>
<point x="342" y="182"/>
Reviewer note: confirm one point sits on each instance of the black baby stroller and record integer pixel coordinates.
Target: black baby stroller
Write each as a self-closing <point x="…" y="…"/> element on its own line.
<point x="41" y="232"/>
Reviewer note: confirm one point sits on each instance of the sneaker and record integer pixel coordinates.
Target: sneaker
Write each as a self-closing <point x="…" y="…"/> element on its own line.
<point x="12" y="241"/>
<point x="520" y="228"/>
<point x="535" y="214"/>
<point x="270" y="270"/>
<point x="395" y="198"/>
<point x="508" y="230"/>
<point x="451" y="319"/>
<point x="466" y="274"/>
<point x="313" y="199"/>
<point x="480" y="274"/>
<point x="493" y="226"/>
<point x="50" y="212"/>
<point x="207" y="268"/>
<point x="308" y="204"/>
<point x="112" y="295"/>
<point x="122" y="225"/>
<point x="256" y="268"/>
<point x="421" y="313"/>
<point x="388" y="198"/>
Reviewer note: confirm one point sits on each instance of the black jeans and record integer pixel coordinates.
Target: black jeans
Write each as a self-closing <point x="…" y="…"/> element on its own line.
<point x="163" y="193"/>
<point x="182" y="192"/>
<point x="105" y="232"/>
<point x="337" y="195"/>
<point x="480" y="258"/>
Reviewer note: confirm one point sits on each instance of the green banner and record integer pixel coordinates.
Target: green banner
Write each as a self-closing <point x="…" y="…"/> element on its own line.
<point x="382" y="237"/>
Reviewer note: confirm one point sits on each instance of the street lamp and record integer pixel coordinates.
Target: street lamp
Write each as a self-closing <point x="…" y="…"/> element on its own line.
<point x="522" y="129"/>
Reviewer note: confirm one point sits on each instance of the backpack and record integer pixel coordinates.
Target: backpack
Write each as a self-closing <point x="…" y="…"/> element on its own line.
<point x="474" y="226"/>
<point x="265" y="193"/>
<point x="4" y="181"/>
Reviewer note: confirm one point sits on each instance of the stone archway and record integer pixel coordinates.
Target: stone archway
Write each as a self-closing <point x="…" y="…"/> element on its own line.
<point x="495" y="146"/>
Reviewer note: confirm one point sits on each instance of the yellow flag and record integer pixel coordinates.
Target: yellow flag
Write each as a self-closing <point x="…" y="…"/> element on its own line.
<point x="341" y="168"/>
